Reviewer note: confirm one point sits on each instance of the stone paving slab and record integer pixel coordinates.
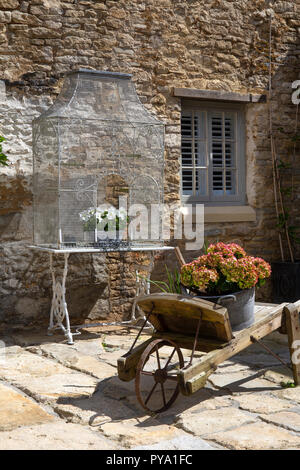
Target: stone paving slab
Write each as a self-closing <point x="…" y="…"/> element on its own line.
<point x="179" y="443"/>
<point x="286" y="419"/>
<point x="141" y="431"/>
<point x="111" y="357"/>
<point x="86" y="406"/>
<point x="122" y="341"/>
<point x="208" y="422"/>
<point x="292" y="394"/>
<point x="17" y="410"/>
<point x="69" y="356"/>
<point x="244" y="381"/>
<point x="55" y="436"/>
<point x="204" y="399"/>
<point x="256" y="436"/>
<point x="115" y="388"/>
<point x="230" y="367"/>
<point x="95" y="410"/>
<point x="43" y="379"/>
<point x="279" y="374"/>
<point x="258" y="359"/>
<point x="259" y="403"/>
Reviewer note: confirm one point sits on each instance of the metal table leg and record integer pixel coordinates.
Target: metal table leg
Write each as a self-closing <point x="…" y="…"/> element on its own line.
<point x="59" y="311"/>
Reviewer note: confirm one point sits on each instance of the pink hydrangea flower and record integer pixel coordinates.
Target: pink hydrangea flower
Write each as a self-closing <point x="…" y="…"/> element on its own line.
<point x="202" y="276"/>
<point x="225" y="266"/>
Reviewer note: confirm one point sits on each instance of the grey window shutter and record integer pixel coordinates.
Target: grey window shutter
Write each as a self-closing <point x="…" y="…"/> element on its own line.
<point x="212" y="154"/>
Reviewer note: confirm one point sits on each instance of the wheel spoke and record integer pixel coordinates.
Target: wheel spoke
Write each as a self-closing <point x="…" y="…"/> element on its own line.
<point x="149" y="396"/>
<point x="163" y="394"/>
<point x="170" y="358"/>
<point x="157" y="355"/>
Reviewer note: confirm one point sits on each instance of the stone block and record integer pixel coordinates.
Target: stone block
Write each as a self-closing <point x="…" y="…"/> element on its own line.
<point x="56" y="436"/>
<point x="256" y="436"/>
<point x="213" y="421"/>
<point x="9" y="4"/>
<point x="17" y="410"/>
<point x="284" y="419"/>
<point x="258" y="403"/>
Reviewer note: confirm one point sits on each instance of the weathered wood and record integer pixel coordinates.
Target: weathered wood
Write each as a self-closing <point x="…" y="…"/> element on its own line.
<point x="219" y="95"/>
<point x="241" y="341"/>
<point x="291" y="313"/>
<point x="194" y="377"/>
<point x="179" y="256"/>
<point x="127" y="363"/>
<point x="175" y="313"/>
<point x="194" y="384"/>
<point x="186" y="342"/>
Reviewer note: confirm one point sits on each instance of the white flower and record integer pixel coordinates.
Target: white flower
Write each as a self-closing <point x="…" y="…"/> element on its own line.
<point x="87" y="214"/>
<point x="112" y="213"/>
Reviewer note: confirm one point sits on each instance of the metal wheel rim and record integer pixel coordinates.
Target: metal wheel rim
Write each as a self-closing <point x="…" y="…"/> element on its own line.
<point x="156" y="345"/>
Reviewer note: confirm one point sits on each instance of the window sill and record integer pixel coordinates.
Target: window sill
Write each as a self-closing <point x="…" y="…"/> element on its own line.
<point x="229" y="214"/>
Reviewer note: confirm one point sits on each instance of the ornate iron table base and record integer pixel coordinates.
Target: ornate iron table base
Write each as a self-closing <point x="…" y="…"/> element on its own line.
<point x="59" y="310"/>
<point x="59" y="315"/>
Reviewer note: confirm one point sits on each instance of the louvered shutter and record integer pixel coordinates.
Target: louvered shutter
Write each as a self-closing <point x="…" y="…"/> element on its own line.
<point x="223" y="154"/>
<point x="194" y="155"/>
<point x="212" y="155"/>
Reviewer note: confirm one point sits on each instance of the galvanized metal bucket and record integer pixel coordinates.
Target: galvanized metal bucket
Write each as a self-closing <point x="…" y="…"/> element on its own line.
<point x="240" y="307"/>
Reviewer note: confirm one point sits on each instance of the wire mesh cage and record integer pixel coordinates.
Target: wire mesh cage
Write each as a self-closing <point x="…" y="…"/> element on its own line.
<point x="98" y="166"/>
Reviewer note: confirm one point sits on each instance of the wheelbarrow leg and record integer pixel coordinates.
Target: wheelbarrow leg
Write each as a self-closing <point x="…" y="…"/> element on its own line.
<point x="293" y="331"/>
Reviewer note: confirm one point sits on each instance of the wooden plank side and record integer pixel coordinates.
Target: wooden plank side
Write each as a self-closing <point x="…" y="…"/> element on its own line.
<point x="127" y="363"/>
<point x="186" y="342"/>
<point x="188" y="327"/>
<point x="197" y="382"/>
<point x="173" y="308"/>
<point x="242" y="340"/>
<point x="179" y="256"/>
<point x="291" y="313"/>
<point x="182" y="305"/>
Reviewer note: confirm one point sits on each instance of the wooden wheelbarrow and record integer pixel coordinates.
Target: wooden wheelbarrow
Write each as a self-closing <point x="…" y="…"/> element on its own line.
<point x="184" y="325"/>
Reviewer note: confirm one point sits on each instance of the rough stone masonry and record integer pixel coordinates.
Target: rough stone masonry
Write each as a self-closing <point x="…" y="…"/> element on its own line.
<point x="218" y="45"/>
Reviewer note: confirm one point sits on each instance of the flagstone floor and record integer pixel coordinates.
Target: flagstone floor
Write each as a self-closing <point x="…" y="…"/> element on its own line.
<point x="57" y="396"/>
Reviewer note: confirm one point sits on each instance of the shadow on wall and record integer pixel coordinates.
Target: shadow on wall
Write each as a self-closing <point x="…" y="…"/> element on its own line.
<point x="15" y="208"/>
<point x="26" y="285"/>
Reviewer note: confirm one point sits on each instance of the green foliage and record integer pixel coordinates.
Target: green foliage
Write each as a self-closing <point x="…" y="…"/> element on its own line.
<point x="3" y="157"/>
<point x="292" y="230"/>
<point x="286" y="191"/>
<point x="172" y="286"/>
<point x="205" y="247"/>
<point x="281" y="164"/>
<point x="287" y="384"/>
<point x="282" y="219"/>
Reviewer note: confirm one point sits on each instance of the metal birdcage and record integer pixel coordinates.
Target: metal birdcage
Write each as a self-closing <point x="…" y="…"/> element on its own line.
<point x="98" y="158"/>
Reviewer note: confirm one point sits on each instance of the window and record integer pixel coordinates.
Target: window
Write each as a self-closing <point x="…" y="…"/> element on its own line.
<point x="212" y="153"/>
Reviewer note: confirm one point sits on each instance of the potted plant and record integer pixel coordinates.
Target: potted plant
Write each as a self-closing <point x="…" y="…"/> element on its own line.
<point x="226" y="275"/>
<point x="104" y="222"/>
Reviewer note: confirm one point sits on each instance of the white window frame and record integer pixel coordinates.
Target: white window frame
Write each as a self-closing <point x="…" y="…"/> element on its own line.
<point x="239" y="198"/>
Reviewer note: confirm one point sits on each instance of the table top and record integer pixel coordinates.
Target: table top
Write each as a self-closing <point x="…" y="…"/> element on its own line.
<point x="101" y="250"/>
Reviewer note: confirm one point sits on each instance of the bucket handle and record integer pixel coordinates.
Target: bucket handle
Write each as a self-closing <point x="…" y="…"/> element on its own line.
<point x="226" y="297"/>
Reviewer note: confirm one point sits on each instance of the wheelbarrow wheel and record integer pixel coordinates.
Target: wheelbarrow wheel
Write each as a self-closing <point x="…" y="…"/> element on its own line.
<point x="156" y="382"/>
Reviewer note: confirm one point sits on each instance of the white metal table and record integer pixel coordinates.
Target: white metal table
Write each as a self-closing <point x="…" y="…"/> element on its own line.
<point x="59" y="315"/>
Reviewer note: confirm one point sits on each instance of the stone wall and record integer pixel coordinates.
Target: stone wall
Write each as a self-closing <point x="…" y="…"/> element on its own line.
<point x="213" y="45"/>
